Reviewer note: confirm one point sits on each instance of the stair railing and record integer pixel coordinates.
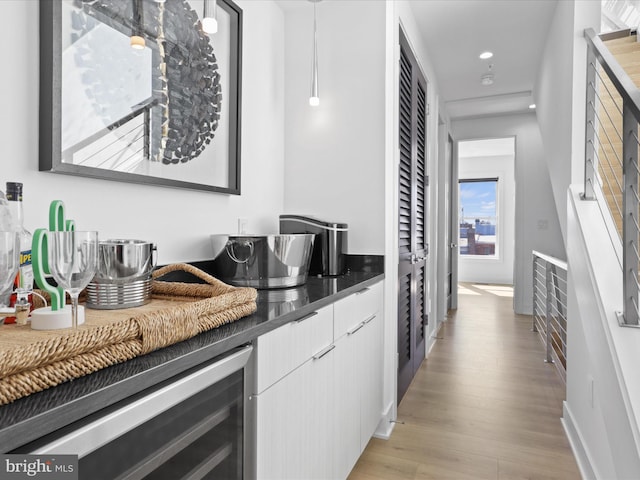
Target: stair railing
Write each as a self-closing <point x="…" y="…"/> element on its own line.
<point x="550" y="308"/>
<point x="611" y="161"/>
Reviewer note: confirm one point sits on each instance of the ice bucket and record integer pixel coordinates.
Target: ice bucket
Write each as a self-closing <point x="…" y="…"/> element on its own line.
<point x="123" y="278"/>
<point x="262" y="261"/>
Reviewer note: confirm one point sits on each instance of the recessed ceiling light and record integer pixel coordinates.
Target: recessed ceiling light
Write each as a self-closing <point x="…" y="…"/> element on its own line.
<point x="485" y="55"/>
<point x="532" y="106"/>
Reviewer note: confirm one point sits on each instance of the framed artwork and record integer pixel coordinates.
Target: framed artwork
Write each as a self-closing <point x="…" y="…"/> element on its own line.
<point x="136" y="91"/>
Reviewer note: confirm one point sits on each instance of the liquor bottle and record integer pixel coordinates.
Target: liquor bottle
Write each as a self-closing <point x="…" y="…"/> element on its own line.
<point x="23" y="284"/>
<point x="6" y="224"/>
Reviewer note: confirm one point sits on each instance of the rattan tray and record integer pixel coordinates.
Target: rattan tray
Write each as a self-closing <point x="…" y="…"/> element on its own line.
<point x="32" y="360"/>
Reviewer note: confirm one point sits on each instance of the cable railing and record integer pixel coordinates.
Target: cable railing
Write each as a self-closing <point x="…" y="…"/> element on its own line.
<point x="550" y="308"/>
<point x="611" y="162"/>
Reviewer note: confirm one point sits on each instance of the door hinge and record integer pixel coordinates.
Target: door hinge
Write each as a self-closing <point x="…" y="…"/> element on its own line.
<point x="426" y="180"/>
<point x="428" y="108"/>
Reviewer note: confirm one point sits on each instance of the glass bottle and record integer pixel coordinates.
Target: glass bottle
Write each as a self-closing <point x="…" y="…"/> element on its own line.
<point x="6" y="220"/>
<point x="6" y="224"/>
<point x="23" y="284"/>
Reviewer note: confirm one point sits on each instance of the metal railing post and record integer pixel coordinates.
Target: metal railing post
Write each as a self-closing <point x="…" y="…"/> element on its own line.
<point x="552" y="285"/>
<point x="630" y="222"/>
<point x="534" y="327"/>
<point x="590" y="127"/>
<point x="549" y="287"/>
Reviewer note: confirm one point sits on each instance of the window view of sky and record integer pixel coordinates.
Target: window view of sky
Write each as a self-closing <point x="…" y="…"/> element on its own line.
<point x="478" y="200"/>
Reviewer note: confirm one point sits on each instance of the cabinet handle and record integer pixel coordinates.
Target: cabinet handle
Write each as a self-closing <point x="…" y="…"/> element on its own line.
<point x="322" y="353"/>
<point x="369" y="319"/>
<point x="364" y="290"/>
<point x="354" y="330"/>
<point x="306" y="317"/>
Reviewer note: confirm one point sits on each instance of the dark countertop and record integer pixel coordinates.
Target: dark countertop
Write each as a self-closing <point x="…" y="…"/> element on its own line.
<point x="32" y="417"/>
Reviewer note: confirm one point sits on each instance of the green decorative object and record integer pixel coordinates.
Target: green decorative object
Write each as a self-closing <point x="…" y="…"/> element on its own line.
<point x="40" y="248"/>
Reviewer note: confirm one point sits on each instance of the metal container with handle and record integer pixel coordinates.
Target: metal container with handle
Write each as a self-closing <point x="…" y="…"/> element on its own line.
<point x="262" y="261"/>
<point x="123" y="278"/>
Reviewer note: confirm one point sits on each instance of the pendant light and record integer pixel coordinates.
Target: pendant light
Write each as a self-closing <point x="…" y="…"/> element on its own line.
<point x="209" y="21"/>
<point x="314" y="99"/>
<point x="137" y="40"/>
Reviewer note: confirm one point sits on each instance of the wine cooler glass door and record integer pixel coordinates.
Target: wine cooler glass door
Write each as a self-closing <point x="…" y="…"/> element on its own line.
<point x="191" y="428"/>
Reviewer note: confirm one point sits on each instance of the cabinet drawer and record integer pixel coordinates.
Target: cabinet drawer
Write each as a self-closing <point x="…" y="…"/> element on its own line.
<point x="286" y="348"/>
<point x="353" y="310"/>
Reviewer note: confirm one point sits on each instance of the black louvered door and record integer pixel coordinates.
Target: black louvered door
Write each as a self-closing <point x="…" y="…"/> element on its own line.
<point x="412" y="218"/>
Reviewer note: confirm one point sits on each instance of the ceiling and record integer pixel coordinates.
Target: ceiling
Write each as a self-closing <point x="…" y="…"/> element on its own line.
<point x="457" y="31"/>
<point x="490" y="147"/>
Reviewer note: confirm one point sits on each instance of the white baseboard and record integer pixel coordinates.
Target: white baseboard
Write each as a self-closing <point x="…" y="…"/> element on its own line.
<point x="432" y="340"/>
<point x="429" y="346"/>
<point x="580" y="451"/>
<point x="385" y="427"/>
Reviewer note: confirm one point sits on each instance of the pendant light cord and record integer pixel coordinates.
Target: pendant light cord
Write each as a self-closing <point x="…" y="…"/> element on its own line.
<point x="314" y="98"/>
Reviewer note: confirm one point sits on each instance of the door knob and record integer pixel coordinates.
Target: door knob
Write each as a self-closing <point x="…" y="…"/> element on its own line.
<point x="453" y="245"/>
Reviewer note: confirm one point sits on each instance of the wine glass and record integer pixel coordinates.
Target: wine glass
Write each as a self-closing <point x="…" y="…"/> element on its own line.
<point x="73" y="260"/>
<point x="9" y="260"/>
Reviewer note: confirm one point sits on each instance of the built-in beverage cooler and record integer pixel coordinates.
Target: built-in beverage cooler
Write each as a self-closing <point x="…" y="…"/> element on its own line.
<point x="190" y="428"/>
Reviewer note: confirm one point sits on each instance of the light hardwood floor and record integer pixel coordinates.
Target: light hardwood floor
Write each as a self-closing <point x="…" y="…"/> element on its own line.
<point x="484" y="405"/>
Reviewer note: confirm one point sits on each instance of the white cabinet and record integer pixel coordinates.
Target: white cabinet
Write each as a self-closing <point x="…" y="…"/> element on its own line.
<point x="358" y="375"/>
<point x="371" y="361"/>
<point x="318" y="390"/>
<point x="347" y="406"/>
<point x="294" y="438"/>
<point x="293" y="397"/>
<point x="286" y="348"/>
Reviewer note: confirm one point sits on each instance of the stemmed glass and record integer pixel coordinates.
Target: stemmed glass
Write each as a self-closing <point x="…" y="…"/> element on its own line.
<point x="9" y="260"/>
<point x="73" y="260"/>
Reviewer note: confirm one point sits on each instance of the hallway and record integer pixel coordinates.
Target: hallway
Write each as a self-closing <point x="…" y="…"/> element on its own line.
<point x="483" y="406"/>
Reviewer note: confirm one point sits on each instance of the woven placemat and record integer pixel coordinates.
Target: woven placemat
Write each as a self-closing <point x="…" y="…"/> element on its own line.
<point x="34" y="360"/>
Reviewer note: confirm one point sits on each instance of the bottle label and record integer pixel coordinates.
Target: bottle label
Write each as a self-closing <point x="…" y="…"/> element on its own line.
<point x="25" y="274"/>
<point x="25" y="258"/>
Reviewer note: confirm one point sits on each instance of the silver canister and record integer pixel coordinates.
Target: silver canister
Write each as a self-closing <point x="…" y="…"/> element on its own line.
<point x="123" y="277"/>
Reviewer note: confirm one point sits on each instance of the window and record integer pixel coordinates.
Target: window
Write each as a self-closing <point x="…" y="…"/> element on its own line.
<point x="478" y="221"/>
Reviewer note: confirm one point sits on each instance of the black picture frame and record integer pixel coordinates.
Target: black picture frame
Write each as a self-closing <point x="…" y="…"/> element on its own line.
<point x="54" y="116"/>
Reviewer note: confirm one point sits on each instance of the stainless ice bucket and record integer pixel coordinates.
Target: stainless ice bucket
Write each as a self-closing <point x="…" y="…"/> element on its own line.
<point x="123" y="277"/>
<point x="262" y="261"/>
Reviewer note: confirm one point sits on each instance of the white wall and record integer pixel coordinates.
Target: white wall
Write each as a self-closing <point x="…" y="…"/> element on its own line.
<point x="553" y="95"/>
<point x="487" y="269"/>
<point x="560" y="96"/>
<point x="443" y="251"/>
<point x="335" y="151"/>
<point x="179" y="221"/>
<point x="537" y="224"/>
<point x="602" y="407"/>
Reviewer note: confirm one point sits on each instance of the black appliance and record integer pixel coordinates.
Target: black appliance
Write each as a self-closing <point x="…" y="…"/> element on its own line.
<point x="192" y="426"/>
<point x="329" y="247"/>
